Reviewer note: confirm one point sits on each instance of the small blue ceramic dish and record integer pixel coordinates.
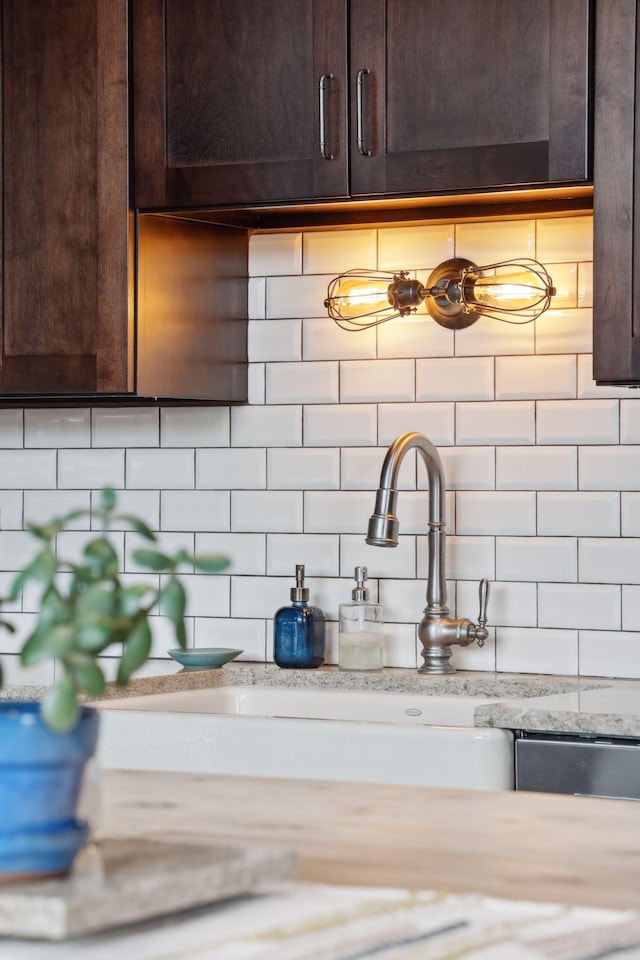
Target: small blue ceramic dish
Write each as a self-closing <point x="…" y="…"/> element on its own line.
<point x="204" y="658"/>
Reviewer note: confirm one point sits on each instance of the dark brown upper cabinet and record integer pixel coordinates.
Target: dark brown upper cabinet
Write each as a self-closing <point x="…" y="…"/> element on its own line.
<point x="240" y="103"/>
<point x="97" y="304"/>
<point x="616" y="195"/>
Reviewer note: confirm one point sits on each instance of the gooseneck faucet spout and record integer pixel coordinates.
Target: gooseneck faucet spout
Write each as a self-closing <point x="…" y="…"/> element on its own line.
<point x="437" y="631"/>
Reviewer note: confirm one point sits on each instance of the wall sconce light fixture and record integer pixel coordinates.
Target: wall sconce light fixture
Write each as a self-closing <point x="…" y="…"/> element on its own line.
<point x="457" y="294"/>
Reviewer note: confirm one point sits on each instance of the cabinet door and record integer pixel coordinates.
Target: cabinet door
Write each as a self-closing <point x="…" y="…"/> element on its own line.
<point x="65" y="323"/>
<point x="453" y="95"/>
<point x="616" y="199"/>
<point x="238" y="101"/>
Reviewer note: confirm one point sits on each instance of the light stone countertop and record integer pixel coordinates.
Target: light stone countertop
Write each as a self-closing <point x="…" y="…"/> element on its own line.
<point x="562" y="704"/>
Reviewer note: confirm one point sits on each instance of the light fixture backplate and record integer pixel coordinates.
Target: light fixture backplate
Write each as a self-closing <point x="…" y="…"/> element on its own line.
<point x="450" y="313"/>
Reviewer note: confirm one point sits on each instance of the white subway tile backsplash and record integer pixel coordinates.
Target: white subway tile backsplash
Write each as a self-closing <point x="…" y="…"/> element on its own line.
<point x="467" y="468"/>
<point x="361" y="467"/>
<point x="605" y="653"/>
<point x="343" y="511"/>
<point x="11" y="428"/>
<point x="537" y="651"/>
<point x="630" y="607"/>
<point x="310" y="382"/>
<point x="194" y="426"/>
<point x="123" y="427"/>
<point x="511" y="604"/>
<point x="196" y="510"/>
<point x="303" y="468"/>
<point x="274" y="340"/>
<point x="238" y="634"/>
<point x="271" y="511"/>
<point x="541" y="559"/>
<point x="290" y="477"/>
<point x="279" y="426"/>
<point x="536" y="468"/>
<point x="79" y="469"/>
<point x="564" y="331"/>
<point x="579" y="605"/>
<point x="272" y="254"/>
<point x="40" y="506"/>
<point x="377" y="380"/>
<point x="468" y="558"/>
<point x="53" y="428"/>
<point x="296" y="297"/>
<point x="486" y="243"/>
<point x="577" y="421"/>
<point x="165" y="469"/>
<point x="17" y="549"/>
<point x="578" y="514"/>
<point x="630" y="514"/>
<point x="320" y="554"/>
<point x="499" y="422"/>
<point x="605" y="560"/>
<point x="329" y="426"/>
<point x="322" y="339"/>
<point x="629" y="421"/>
<point x="604" y="468"/>
<point x="380" y="562"/>
<point x="257" y="298"/>
<point x="496" y="513"/>
<point x="492" y="337"/>
<point x="459" y="378"/>
<point x="414" y="336"/>
<point x="11" y="508"/>
<point x="334" y="251"/>
<point x="435" y="420"/>
<point x="415" y="248"/>
<point x="246" y="551"/>
<point x="564" y="238"/>
<point x="526" y="378"/>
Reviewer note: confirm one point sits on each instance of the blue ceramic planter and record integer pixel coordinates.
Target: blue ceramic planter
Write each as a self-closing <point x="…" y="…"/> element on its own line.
<point x="40" y="780"/>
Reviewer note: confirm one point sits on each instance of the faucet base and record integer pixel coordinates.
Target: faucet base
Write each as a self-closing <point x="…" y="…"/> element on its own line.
<point x="437" y="661"/>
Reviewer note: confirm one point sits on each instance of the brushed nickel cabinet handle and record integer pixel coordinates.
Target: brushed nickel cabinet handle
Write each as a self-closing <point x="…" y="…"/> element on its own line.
<point x="360" y="78"/>
<point x="322" y="92"/>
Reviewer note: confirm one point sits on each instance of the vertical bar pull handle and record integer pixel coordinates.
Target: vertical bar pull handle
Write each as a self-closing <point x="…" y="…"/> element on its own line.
<point x="322" y="92"/>
<point x="360" y="78"/>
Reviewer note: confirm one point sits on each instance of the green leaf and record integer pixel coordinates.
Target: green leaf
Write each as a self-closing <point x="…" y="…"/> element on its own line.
<point x="97" y="598"/>
<point x="42" y="568"/>
<point x="181" y="634"/>
<point x="95" y="636"/>
<point x="100" y="555"/>
<point x="59" y="706"/>
<point x="54" y="609"/>
<point x="132" y="599"/>
<point x="211" y="563"/>
<point x="88" y="676"/>
<point x="136" y="651"/>
<point x="107" y="499"/>
<point x="54" y="643"/>
<point x="173" y="600"/>
<point x="138" y="525"/>
<point x="152" y="559"/>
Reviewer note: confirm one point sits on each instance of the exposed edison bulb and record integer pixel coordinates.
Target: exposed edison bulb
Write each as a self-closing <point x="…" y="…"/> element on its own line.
<point x="357" y="294"/>
<point x="518" y="291"/>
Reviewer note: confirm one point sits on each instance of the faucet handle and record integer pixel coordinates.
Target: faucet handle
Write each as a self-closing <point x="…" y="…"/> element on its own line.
<point x="481" y="632"/>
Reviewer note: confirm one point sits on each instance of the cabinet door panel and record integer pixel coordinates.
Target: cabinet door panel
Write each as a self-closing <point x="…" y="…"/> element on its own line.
<point x="65" y="293"/>
<point x="470" y="94"/>
<point x="227" y="101"/>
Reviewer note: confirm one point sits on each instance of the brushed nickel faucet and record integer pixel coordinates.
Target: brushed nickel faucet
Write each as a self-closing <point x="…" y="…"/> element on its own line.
<point x="437" y="631"/>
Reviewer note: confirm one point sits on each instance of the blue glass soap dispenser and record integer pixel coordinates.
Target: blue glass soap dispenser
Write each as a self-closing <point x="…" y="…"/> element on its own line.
<point x="299" y="630"/>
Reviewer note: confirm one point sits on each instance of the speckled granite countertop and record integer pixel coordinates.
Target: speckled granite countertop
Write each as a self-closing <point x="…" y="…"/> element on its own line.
<point x="590" y="705"/>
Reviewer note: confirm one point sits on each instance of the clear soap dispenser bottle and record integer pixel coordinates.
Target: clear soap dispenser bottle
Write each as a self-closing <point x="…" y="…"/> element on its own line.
<point x="299" y="630"/>
<point x="361" y="629"/>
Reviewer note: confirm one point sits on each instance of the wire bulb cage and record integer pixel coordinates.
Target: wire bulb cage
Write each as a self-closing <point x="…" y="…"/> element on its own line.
<point x="457" y="294"/>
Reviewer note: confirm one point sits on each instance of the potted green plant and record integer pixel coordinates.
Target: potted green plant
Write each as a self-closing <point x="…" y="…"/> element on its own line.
<point x="85" y="609"/>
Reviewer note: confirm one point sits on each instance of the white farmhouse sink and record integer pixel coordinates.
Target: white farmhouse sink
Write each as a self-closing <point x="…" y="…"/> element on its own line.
<point x="378" y="737"/>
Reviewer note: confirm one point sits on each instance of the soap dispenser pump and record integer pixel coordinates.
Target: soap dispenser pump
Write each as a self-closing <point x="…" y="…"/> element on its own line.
<point x="361" y="629"/>
<point x="299" y="630"/>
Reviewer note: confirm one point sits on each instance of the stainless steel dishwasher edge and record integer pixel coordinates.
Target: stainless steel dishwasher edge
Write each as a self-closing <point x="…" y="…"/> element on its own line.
<point x="578" y="764"/>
